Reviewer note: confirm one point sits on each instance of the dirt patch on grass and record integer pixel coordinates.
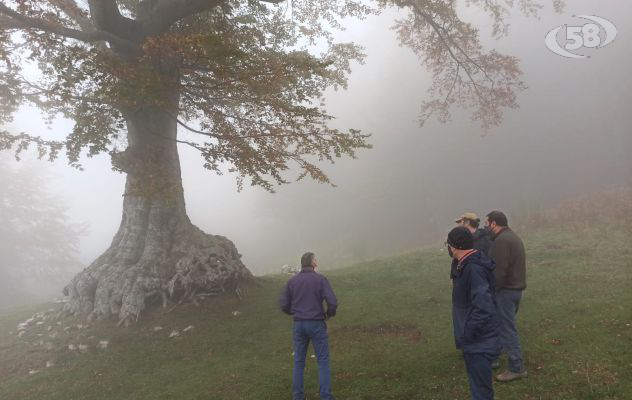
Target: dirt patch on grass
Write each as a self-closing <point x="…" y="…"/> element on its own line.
<point x="408" y="332"/>
<point x="596" y="374"/>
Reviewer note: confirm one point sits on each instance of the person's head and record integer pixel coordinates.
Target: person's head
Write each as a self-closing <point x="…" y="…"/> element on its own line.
<point x="469" y="220"/>
<point x="460" y="241"/>
<point x="496" y="221"/>
<point x="309" y="260"/>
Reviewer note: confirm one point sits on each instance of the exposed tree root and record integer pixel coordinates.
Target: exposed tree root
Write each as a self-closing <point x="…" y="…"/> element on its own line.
<point x="198" y="265"/>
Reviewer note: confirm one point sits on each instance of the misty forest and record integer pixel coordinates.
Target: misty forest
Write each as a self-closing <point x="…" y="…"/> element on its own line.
<point x="167" y="168"/>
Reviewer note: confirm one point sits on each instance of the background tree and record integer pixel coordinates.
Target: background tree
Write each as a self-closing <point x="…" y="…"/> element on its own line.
<point x="39" y="245"/>
<point x="242" y="81"/>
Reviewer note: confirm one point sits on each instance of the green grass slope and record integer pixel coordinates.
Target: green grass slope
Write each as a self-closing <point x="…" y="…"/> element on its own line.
<point x="392" y="338"/>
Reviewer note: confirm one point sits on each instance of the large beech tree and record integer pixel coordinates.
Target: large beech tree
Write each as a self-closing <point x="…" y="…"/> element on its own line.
<point x="241" y="82"/>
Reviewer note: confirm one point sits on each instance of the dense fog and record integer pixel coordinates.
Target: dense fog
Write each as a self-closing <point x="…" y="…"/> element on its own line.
<point x="570" y="136"/>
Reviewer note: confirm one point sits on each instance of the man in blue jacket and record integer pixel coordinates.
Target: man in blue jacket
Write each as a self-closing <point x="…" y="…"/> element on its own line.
<point x="303" y="298"/>
<point x="474" y="312"/>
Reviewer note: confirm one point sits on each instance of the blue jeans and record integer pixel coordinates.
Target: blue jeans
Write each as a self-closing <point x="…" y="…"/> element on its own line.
<point x="479" y="375"/>
<point x="316" y="331"/>
<point x="507" y="305"/>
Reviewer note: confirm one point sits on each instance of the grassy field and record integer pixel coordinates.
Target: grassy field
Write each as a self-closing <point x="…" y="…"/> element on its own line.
<point x="392" y="338"/>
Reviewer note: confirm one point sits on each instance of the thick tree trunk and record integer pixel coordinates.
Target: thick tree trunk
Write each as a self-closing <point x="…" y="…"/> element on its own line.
<point x="157" y="252"/>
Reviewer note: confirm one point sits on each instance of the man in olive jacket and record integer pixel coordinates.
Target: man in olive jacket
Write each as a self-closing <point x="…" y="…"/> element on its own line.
<point x="511" y="279"/>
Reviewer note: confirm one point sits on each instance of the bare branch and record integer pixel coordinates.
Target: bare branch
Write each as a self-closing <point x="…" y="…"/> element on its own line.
<point x="444" y="41"/>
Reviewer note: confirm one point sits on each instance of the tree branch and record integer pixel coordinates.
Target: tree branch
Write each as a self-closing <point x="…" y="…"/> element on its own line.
<point x="19" y="21"/>
<point x="7" y="23"/>
<point x="22" y="142"/>
<point x="444" y="41"/>
<point x="158" y="15"/>
<point x="107" y="17"/>
<point x="72" y="10"/>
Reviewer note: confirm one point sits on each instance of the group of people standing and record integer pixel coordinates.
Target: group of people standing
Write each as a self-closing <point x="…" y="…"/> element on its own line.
<point x="488" y="274"/>
<point x="488" y="277"/>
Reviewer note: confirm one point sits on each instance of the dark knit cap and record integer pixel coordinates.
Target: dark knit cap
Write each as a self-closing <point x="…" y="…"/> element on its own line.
<point x="461" y="238"/>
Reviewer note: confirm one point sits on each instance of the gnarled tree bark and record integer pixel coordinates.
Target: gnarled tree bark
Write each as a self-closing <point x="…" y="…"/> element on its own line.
<point x="157" y="252"/>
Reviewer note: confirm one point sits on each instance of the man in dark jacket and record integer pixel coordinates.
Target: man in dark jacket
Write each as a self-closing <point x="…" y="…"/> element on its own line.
<point x="474" y="312"/>
<point x="511" y="279"/>
<point x="303" y="298"/>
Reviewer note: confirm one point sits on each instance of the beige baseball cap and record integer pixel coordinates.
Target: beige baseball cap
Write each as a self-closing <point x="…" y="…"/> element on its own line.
<point x="468" y="215"/>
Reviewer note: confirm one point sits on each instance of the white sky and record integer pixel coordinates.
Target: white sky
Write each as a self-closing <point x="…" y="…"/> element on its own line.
<point x="567" y="136"/>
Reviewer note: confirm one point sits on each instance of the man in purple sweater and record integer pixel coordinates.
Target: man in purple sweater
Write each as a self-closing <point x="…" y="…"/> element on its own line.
<point x="302" y="298"/>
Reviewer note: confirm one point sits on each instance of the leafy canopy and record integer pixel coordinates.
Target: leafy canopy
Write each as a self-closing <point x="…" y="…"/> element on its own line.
<point x="244" y="78"/>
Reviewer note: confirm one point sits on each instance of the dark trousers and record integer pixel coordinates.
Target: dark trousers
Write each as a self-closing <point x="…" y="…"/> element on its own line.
<point x="479" y="375"/>
<point x="316" y="332"/>
<point x="507" y="305"/>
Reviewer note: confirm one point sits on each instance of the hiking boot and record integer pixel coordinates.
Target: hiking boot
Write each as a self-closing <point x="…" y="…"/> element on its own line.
<point x="496" y="364"/>
<point x="509" y="376"/>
